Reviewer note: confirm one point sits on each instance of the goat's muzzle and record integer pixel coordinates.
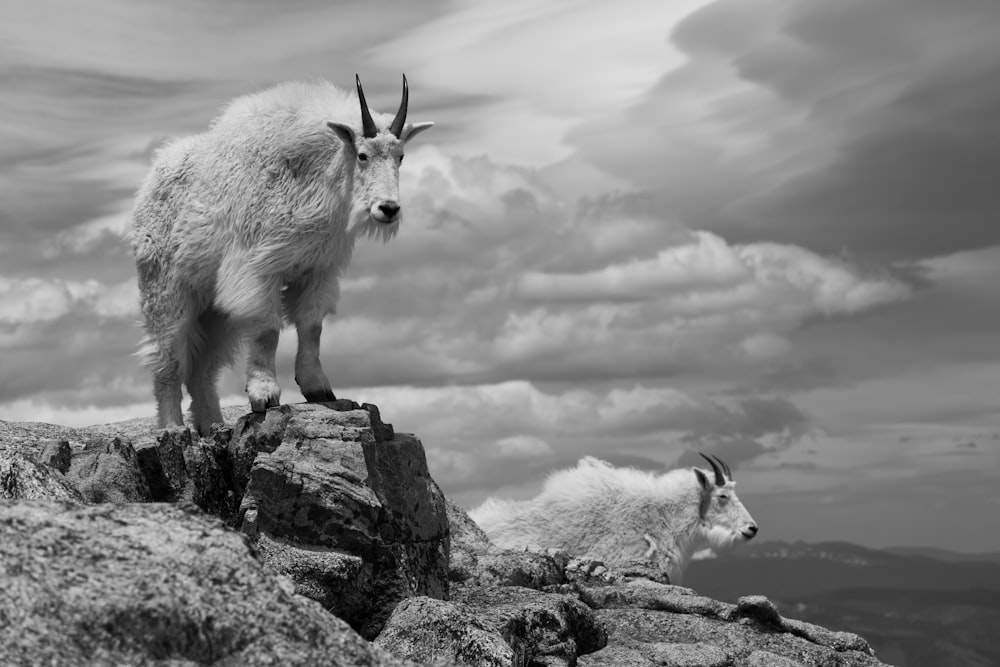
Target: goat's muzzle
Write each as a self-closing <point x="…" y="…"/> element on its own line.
<point x="386" y="212"/>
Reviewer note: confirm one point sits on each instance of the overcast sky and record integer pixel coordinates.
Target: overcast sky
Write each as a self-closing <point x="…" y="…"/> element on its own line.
<point x="762" y="228"/>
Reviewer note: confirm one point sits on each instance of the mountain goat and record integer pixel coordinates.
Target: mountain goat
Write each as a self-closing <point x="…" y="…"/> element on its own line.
<point x="248" y="225"/>
<point x="618" y="515"/>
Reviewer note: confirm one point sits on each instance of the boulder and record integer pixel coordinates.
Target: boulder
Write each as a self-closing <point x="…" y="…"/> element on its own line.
<point x="673" y="625"/>
<point x="500" y="626"/>
<point x="22" y="478"/>
<point x="321" y="483"/>
<point x="153" y="584"/>
<point x="475" y="561"/>
<point x="107" y="471"/>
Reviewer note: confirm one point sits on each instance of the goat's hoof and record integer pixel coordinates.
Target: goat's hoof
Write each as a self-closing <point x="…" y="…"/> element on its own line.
<point x="319" y="396"/>
<point x="263" y="395"/>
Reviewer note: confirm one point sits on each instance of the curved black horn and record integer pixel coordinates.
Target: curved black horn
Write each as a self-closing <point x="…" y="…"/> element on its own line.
<point x="725" y="467"/>
<point x="720" y="478"/>
<point x="368" y="128"/>
<point x="397" y="123"/>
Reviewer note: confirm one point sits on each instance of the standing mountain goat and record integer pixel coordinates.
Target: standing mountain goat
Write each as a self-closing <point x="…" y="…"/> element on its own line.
<point x="251" y="223"/>
<point x="618" y="515"/>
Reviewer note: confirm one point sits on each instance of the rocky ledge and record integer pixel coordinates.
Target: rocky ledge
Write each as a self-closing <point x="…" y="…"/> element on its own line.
<point x="314" y="534"/>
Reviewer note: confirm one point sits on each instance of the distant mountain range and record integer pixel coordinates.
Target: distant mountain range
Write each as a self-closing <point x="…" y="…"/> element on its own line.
<point x="947" y="556"/>
<point x="918" y="607"/>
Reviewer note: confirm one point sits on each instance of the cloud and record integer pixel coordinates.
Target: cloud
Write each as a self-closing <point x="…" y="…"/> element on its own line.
<point x="484" y="49"/>
<point x="36" y="300"/>
<point x="828" y="127"/>
<point x="490" y="435"/>
<point x="477" y="288"/>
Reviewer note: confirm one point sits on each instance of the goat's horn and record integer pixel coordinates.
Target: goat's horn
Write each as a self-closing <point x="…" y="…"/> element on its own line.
<point x="368" y="128"/>
<point x="720" y="478"/>
<point x="725" y="467"/>
<point x="397" y="123"/>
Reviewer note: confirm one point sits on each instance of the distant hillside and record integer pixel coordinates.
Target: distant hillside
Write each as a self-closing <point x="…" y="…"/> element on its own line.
<point x="797" y="570"/>
<point x="945" y="555"/>
<point x="917" y="610"/>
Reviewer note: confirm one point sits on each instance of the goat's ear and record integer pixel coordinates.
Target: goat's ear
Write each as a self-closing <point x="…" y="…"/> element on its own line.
<point x="413" y="129"/>
<point x="703" y="479"/>
<point x="706" y="492"/>
<point x="344" y="132"/>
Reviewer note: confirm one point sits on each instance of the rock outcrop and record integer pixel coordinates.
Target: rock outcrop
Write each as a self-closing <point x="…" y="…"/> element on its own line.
<point x="153" y="584"/>
<point x="343" y="506"/>
<point x="284" y="535"/>
<point x="550" y="609"/>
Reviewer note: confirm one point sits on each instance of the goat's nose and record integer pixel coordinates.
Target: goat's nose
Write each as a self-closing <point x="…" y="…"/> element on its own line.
<point x="753" y="529"/>
<point x="389" y="209"/>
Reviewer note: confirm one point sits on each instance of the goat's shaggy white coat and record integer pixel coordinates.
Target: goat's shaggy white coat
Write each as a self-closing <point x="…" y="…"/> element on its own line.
<point x="622" y="515"/>
<point x="250" y="224"/>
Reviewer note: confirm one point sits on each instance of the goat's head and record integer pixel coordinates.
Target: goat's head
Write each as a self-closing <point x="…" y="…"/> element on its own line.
<point x="724" y="517"/>
<point x="376" y="154"/>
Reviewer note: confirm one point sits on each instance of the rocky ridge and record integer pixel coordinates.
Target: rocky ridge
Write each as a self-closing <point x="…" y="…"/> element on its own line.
<point x="314" y="534"/>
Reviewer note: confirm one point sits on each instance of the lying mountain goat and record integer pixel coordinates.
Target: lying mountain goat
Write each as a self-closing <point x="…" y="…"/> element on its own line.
<point x="618" y="515"/>
<point x="251" y="223"/>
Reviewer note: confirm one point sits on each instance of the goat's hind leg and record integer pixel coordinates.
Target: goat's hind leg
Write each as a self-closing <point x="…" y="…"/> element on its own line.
<point x="214" y="344"/>
<point x="165" y="369"/>
<point x="251" y="299"/>
<point x="166" y="319"/>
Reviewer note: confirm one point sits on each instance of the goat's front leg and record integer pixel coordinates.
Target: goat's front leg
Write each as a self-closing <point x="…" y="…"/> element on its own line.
<point x="306" y="303"/>
<point x="309" y="373"/>
<point x="262" y="381"/>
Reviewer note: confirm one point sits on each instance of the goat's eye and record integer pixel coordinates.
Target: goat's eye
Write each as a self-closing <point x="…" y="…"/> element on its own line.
<point x="363" y="157"/>
<point x="723" y="498"/>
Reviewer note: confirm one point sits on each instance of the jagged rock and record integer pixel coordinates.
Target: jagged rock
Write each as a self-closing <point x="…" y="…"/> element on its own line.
<point x="338" y="581"/>
<point x="653" y="623"/>
<point x="502" y="626"/>
<point x="758" y="608"/>
<point x="538" y="624"/>
<point x="653" y="596"/>
<point x="56" y="454"/>
<point x="21" y="478"/>
<point x="319" y="481"/>
<point x="152" y="584"/>
<point x="161" y="461"/>
<point x="695" y="654"/>
<point x="207" y="486"/>
<point x="108" y="472"/>
<point x="475" y="561"/>
<point x="640" y="629"/>
<point x="433" y="631"/>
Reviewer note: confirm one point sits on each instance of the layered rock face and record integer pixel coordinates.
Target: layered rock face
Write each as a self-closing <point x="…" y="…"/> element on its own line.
<point x="296" y="536"/>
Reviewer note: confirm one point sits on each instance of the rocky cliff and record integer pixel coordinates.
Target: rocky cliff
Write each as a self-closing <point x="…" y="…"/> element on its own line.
<point x="314" y="534"/>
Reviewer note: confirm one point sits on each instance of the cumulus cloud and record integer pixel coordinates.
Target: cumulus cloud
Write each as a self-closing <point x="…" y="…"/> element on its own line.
<point x="35" y="300"/>
<point x="491" y="435"/>
<point x="476" y="289"/>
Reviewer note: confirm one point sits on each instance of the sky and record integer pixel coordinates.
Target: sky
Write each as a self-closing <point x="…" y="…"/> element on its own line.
<point x="765" y="229"/>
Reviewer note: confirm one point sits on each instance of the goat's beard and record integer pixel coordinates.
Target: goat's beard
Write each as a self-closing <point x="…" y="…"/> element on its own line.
<point x="363" y="225"/>
<point x="719" y="537"/>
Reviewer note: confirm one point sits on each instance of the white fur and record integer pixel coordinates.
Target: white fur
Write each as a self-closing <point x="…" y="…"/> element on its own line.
<point x="248" y="226"/>
<point x="618" y="515"/>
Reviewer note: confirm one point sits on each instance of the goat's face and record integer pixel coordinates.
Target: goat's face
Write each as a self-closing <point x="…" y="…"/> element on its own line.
<point x="724" y="517"/>
<point x="375" y="156"/>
